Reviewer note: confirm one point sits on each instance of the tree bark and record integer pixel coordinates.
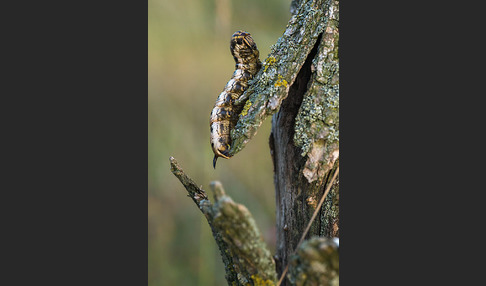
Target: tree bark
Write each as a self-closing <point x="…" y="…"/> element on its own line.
<point x="299" y="86"/>
<point x="245" y="255"/>
<point x="304" y="149"/>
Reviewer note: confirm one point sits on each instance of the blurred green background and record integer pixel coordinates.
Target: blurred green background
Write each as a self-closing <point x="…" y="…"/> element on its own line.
<point x="189" y="63"/>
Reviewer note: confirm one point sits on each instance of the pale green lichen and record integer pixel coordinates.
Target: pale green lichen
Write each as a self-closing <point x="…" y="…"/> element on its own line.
<point x="244" y="253"/>
<point x="318" y="117"/>
<point x="316" y="120"/>
<point x="240" y="232"/>
<point x="316" y="262"/>
<point x="288" y="54"/>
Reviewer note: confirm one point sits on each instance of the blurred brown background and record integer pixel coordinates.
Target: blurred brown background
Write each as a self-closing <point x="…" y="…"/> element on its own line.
<point x="189" y="63"/>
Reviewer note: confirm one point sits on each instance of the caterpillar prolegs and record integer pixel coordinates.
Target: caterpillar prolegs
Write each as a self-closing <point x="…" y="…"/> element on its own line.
<point x="225" y="113"/>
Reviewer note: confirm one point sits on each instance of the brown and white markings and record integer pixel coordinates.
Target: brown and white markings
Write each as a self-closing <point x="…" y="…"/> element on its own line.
<point x="225" y="113"/>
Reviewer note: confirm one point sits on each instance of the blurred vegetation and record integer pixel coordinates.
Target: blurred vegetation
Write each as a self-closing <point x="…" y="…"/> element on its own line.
<point x="189" y="63"/>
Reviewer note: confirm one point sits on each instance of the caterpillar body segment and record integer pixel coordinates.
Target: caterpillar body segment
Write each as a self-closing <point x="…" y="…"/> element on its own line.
<point x="224" y="115"/>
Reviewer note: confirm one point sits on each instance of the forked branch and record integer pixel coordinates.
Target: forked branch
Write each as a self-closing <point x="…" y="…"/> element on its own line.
<point x="245" y="255"/>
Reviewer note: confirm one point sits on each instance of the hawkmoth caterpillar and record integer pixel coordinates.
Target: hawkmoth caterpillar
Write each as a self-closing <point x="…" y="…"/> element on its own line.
<point x="224" y="115"/>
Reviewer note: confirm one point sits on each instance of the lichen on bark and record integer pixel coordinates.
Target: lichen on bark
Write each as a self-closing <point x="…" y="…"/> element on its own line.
<point x="317" y="123"/>
<point x="316" y="263"/>
<point x="305" y="152"/>
<point x="305" y="146"/>
<point x="246" y="257"/>
<point x="250" y="254"/>
<point x="271" y="84"/>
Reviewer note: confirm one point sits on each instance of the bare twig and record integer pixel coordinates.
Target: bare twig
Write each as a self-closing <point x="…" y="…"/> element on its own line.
<point x="244" y="253"/>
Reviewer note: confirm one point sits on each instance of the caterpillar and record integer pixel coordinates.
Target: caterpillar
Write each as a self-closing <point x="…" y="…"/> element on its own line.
<point x="224" y="115"/>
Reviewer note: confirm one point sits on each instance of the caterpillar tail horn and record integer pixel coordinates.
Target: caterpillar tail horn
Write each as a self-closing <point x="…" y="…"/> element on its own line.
<point x="214" y="161"/>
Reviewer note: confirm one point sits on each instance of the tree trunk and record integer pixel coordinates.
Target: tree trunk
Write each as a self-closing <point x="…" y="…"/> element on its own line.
<point x="300" y="180"/>
<point x="299" y="85"/>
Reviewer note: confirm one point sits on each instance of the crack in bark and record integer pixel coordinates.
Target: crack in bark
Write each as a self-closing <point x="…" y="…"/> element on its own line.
<point x="281" y="142"/>
<point x="272" y="83"/>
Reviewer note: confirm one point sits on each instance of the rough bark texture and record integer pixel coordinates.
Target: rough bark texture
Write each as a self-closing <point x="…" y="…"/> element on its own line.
<point x="299" y="85"/>
<point x="305" y="145"/>
<point x="245" y="255"/>
<point x="315" y="263"/>
<point x="271" y="84"/>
